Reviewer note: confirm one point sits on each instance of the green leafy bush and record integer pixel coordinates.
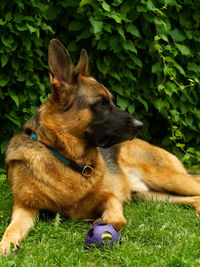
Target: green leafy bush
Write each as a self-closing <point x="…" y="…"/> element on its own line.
<point x="146" y="52"/>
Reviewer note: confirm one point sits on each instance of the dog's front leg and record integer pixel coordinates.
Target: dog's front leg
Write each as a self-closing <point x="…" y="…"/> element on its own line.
<point x="113" y="212"/>
<point x="22" y="220"/>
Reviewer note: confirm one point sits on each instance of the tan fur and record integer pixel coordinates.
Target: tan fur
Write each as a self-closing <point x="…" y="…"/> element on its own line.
<point x="160" y="171"/>
<point x="39" y="180"/>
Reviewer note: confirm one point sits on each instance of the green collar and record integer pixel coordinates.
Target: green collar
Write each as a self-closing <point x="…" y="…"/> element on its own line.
<point x="85" y="170"/>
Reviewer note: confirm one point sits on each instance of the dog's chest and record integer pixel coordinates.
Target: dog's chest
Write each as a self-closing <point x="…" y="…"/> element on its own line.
<point x="135" y="180"/>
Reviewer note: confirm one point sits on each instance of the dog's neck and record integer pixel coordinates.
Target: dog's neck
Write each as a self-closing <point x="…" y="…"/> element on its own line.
<point x="69" y="146"/>
<point x="51" y="134"/>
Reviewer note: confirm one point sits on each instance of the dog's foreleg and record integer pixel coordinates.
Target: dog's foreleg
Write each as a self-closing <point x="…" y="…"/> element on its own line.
<point x="159" y="196"/>
<point x="22" y="220"/>
<point x="113" y="212"/>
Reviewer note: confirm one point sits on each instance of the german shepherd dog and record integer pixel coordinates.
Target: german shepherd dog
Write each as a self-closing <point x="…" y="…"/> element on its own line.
<point x="78" y="156"/>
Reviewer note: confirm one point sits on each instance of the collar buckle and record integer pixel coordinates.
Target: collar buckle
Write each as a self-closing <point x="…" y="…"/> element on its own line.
<point x="87" y="171"/>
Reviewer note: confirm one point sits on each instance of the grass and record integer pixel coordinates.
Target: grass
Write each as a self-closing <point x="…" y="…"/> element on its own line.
<point x="156" y="234"/>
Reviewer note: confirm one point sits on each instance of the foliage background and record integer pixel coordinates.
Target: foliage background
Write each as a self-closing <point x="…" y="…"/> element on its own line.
<point x="146" y="52"/>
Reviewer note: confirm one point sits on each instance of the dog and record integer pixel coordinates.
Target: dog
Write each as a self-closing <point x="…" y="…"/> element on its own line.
<point x="78" y="156"/>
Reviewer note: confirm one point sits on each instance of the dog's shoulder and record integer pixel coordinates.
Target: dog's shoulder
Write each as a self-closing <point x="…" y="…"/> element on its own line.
<point x="21" y="147"/>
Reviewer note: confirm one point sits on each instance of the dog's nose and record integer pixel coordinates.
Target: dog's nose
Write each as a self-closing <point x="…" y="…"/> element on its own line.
<point x="138" y="124"/>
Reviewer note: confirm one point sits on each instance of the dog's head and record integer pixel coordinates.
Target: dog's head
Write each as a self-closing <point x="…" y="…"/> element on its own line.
<point x="82" y="107"/>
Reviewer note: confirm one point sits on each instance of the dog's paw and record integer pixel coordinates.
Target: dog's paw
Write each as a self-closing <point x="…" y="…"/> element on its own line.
<point x="6" y="247"/>
<point x="99" y="220"/>
<point x="196" y="204"/>
<point x="197" y="207"/>
<point x="118" y="221"/>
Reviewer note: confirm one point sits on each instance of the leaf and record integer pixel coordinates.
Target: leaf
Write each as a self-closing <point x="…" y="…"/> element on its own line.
<point x="171" y="3"/>
<point x="150" y="5"/>
<point x="21" y="76"/>
<point x="3" y="171"/>
<point x="133" y="30"/>
<point x="16" y="121"/>
<point x="160" y="104"/>
<point x="14" y="96"/>
<point x="108" y="60"/>
<point x="68" y="3"/>
<point x="52" y="13"/>
<point x="116" y="76"/>
<point x="118" y="89"/>
<point x="102" y="67"/>
<point x="42" y="7"/>
<point x="8" y="16"/>
<point x="105" y="6"/>
<point x="156" y="67"/>
<point x="117" y="2"/>
<point x="22" y="27"/>
<point x="164" y="37"/>
<point x="29" y="19"/>
<point x="115" y="44"/>
<point x="125" y="8"/>
<point x="18" y="17"/>
<point x="121" y="32"/>
<point x="128" y="74"/>
<point x="116" y="16"/>
<point x="76" y="25"/>
<point x="185" y="50"/>
<point x="170" y="88"/>
<point x="31" y="28"/>
<point x="85" y="2"/>
<point x="102" y="45"/>
<point x="26" y="41"/>
<point x="181" y="70"/>
<point x="7" y="40"/>
<point x="161" y="87"/>
<point x="196" y="17"/>
<point x="72" y="46"/>
<point x="122" y="102"/>
<point x="161" y="25"/>
<point x="175" y="115"/>
<point x="2" y="22"/>
<point x="4" y="59"/>
<point x="129" y="46"/>
<point x="169" y="59"/>
<point x="136" y="60"/>
<point x="84" y="35"/>
<point x="141" y="8"/>
<point x="4" y="80"/>
<point x="4" y="145"/>
<point x="177" y="35"/>
<point x="192" y="66"/>
<point x="131" y="108"/>
<point x="144" y="102"/>
<point x="107" y="27"/>
<point x="97" y="25"/>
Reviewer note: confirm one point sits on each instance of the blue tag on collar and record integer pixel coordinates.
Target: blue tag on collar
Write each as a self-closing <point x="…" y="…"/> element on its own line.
<point x="34" y="137"/>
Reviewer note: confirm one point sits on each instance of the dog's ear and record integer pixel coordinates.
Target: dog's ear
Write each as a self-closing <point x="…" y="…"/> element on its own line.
<point x="60" y="64"/>
<point x="83" y="65"/>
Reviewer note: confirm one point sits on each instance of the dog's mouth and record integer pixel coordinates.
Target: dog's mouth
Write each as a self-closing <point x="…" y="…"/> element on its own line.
<point x="109" y="141"/>
<point x="103" y="143"/>
<point x="107" y="137"/>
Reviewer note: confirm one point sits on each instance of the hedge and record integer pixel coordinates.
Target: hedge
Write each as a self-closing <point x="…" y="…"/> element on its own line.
<point x="146" y="52"/>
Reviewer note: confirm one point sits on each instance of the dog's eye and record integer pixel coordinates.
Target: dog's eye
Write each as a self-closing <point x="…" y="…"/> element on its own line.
<point x="102" y="103"/>
<point x="105" y="103"/>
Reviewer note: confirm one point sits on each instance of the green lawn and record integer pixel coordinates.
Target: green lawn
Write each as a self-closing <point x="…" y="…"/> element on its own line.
<point x="156" y="234"/>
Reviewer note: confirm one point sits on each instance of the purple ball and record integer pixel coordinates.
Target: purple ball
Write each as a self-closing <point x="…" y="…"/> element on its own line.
<point x="102" y="234"/>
